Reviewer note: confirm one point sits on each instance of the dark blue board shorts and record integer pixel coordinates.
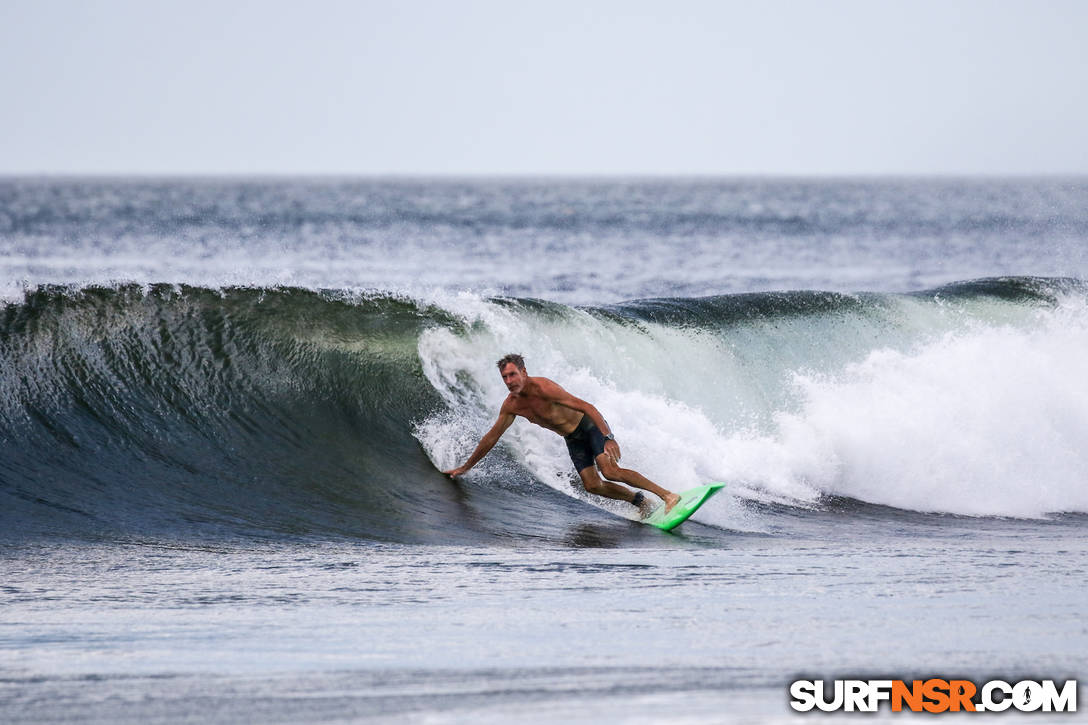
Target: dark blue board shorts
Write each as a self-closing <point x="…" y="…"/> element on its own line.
<point x="584" y="444"/>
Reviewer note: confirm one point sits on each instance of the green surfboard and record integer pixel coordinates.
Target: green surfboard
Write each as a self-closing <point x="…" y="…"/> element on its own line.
<point x="690" y="501"/>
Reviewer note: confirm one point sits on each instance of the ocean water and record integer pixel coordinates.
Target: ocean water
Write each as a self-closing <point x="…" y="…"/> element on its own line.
<point x="225" y="403"/>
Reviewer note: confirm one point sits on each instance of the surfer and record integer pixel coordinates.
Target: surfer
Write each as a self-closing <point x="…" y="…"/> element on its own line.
<point x="589" y="438"/>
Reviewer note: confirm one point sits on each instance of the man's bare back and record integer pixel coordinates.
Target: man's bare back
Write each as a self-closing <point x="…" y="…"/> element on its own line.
<point x="589" y="438"/>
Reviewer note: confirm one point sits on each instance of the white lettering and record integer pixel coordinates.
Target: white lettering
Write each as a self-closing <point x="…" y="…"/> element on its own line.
<point x="856" y="695"/>
<point x="804" y="695"/>
<point x="1027" y="696"/>
<point x="1064" y="701"/>
<point x="879" y="690"/>
<point x="988" y="702"/>
<point x="994" y="696"/>
<point x="834" y="704"/>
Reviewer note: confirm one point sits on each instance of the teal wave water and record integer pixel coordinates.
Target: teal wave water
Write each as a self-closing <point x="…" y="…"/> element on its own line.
<point x="172" y="409"/>
<point x="224" y="405"/>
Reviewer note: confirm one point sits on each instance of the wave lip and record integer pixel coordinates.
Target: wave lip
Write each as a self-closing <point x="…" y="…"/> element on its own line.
<point x="988" y="423"/>
<point x="173" y="410"/>
<point x="176" y="410"/>
<point x="965" y="400"/>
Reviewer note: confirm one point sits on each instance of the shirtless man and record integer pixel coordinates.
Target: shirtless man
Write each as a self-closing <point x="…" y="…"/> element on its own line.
<point x="589" y="438"/>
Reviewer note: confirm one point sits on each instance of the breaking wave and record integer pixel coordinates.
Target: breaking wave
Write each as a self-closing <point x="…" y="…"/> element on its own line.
<point x="150" y="409"/>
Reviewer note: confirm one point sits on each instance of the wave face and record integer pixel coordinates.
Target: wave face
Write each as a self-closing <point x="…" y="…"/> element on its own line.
<point x="160" y="409"/>
<point x="171" y="409"/>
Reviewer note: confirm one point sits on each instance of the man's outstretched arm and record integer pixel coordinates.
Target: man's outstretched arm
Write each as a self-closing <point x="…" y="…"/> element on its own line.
<point x="486" y="443"/>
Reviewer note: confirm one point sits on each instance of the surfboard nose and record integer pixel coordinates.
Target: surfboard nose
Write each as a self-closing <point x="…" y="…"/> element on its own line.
<point x="690" y="501"/>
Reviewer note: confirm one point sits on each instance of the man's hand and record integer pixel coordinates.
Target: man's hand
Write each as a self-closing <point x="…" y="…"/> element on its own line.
<point x="452" y="473"/>
<point x="612" y="448"/>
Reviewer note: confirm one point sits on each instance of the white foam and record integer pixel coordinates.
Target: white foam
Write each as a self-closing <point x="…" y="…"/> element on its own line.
<point x="638" y="376"/>
<point x="980" y="418"/>
<point x="993" y="421"/>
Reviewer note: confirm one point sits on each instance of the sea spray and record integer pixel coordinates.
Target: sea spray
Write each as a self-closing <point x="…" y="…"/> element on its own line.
<point x="966" y="400"/>
<point x="150" y="407"/>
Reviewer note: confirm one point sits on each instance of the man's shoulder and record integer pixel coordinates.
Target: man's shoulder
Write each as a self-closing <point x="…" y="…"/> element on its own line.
<point x="511" y="405"/>
<point x="546" y="386"/>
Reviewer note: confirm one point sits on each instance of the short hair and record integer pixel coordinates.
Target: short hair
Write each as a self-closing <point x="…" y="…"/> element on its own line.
<point x="512" y="358"/>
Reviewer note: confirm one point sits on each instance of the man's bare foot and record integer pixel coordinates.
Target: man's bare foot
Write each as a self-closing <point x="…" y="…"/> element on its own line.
<point x="645" y="508"/>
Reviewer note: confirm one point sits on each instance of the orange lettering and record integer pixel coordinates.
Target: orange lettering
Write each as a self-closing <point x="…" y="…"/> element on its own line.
<point x="912" y="695"/>
<point x="961" y="693"/>
<point x="937" y="692"/>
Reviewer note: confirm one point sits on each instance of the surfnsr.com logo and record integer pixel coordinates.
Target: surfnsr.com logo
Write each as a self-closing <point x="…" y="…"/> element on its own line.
<point x="933" y="695"/>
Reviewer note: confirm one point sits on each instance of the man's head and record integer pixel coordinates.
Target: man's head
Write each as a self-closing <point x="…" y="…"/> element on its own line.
<point x="512" y="369"/>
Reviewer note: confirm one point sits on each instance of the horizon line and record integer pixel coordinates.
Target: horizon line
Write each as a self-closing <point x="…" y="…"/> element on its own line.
<point x="541" y="176"/>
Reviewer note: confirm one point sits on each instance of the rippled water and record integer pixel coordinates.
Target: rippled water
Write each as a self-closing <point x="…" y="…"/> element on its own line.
<point x="281" y="632"/>
<point x="223" y="503"/>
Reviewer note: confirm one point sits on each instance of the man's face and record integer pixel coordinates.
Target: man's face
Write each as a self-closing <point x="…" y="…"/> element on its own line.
<point x="514" y="377"/>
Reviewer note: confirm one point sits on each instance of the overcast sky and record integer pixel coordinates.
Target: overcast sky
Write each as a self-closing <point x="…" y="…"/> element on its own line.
<point x="552" y="87"/>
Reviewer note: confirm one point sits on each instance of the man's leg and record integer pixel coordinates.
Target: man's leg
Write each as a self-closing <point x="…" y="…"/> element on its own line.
<point x="610" y="470"/>
<point x="596" y="485"/>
